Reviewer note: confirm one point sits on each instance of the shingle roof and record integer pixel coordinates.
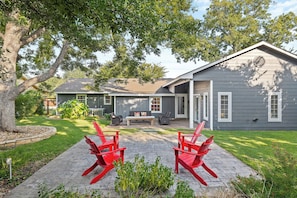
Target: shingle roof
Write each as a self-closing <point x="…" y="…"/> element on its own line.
<point x="115" y="86"/>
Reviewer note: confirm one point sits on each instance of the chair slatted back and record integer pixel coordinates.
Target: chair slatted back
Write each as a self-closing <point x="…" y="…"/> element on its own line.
<point x="99" y="132"/>
<point x="197" y="131"/>
<point x="203" y="150"/>
<point x="94" y="150"/>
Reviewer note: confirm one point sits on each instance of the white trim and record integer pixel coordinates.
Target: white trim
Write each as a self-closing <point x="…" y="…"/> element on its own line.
<point x="150" y="104"/>
<point x="104" y="100"/>
<point x="211" y="105"/>
<point x="197" y="107"/>
<point x="85" y="95"/>
<point x="185" y="115"/>
<point x="205" y="106"/>
<point x="279" y="107"/>
<point x="191" y="104"/>
<point x="229" y="118"/>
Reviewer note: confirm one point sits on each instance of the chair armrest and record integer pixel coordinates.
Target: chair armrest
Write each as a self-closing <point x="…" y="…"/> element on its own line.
<point x="112" y="151"/>
<point x="189" y="152"/>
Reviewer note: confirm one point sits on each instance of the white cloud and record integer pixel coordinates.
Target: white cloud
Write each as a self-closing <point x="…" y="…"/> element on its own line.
<point x="283" y="6"/>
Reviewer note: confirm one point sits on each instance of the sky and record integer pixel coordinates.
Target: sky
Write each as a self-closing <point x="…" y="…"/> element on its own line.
<point x="174" y="69"/>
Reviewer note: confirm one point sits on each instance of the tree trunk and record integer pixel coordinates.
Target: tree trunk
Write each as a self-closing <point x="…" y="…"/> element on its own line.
<point x="8" y="87"/>
<point x="7" y="113"/>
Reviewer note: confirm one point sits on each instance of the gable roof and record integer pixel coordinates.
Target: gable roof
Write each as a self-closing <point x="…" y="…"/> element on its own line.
<point x="114" y="87"/>
<point x="189" y="75"/>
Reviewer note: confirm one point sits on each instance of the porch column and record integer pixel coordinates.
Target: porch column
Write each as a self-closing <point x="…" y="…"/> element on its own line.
<point x="115" y="105"/>
<point x="191" y="104"/>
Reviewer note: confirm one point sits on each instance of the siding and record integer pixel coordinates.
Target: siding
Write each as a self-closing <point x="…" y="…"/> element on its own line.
<point x="250" y="81"/>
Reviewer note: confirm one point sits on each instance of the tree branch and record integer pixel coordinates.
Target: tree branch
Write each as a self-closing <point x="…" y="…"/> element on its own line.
<point x="2" y="35"/>
<point x="50" y="73"/>
<point x="33" y="36"/>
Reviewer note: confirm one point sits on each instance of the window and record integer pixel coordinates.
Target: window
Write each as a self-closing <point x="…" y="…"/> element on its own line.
<point x="82" y="98"/>
<point x="107" y="100"/>
<point x="224" y="106"/>
<point x="205" y="106"/>
<point x="274" y="107"/>
<point x="155" y="105"/>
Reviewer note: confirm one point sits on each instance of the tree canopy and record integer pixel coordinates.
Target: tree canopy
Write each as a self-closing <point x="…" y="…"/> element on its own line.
<point x="41" y="36"/>
<point x="232" y="25"/>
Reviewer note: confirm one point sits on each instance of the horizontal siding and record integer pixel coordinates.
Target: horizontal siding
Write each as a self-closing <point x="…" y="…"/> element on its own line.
<point x="250" y="82"/>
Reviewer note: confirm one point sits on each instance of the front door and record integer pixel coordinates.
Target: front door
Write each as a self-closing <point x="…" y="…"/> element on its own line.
<point x="181" y="106"/>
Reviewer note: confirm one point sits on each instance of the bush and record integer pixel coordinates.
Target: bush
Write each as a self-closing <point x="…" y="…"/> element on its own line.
<point x="28" y="104"/>
<point x="183" y="190"/>
<point x="140" y="179"/>
<point x="61" y="192"/>
<point x="278" y="181"/>
<point x="73" y="109"/>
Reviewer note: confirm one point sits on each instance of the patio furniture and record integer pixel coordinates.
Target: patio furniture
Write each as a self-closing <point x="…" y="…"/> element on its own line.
<point x="140" y="116"/>
<point x="164" y="119"/>
<point x="194" y="159"/>
<point x="189" y="140"/>
<point x="104" y="159"/>
<point x="113" y="140"/>
<point x="116" y="119"/>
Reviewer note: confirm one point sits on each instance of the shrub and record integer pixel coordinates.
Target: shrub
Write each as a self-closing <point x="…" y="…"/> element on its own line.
<point x="140" y="179"/>
<point x="61" y="192"/>
<point x="183" y="190"/>
<point x="73" y="109"/>
<point x="278" y="181"/>
<point x="28" y="104"/>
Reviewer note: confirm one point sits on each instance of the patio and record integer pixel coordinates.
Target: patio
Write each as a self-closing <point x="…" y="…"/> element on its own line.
<point x="67" y="168"/>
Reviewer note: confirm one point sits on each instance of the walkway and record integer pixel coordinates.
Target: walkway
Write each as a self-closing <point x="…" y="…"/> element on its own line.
<point x="67" y="168"/>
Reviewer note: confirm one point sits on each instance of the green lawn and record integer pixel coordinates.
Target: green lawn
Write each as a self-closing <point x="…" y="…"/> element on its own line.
<point x="255" y="147"/>
<point x="252" y="147"/>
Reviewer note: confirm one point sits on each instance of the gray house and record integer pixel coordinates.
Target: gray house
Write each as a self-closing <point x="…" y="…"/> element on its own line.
<point x="119" y="96"/>
<point x="253" y="89"/>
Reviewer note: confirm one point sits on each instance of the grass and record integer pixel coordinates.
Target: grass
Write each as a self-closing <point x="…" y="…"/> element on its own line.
<point x="251" y="147"/>
<point x="255" y="148"/>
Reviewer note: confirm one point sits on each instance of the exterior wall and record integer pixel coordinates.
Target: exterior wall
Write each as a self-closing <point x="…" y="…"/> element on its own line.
<point x="250" y="79"/>
<point x="126" y="104"/>
<point x="94" y="101"/>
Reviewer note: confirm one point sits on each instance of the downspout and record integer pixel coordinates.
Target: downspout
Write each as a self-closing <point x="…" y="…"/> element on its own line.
<point x="191" y="104"/>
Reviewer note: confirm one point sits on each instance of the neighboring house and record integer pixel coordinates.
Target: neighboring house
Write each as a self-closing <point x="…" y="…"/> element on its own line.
<point x="253" y="89"/>
<point x="117" y="96"/>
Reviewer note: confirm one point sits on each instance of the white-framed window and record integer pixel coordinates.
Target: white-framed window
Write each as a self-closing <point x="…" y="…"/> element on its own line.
<point x="107" y="100"/>
<point x="275" y="107"/>
<point x="224" y="107"/>
<point x="205" y="106"/>
<point x="155" y="104"/>
<point x="82" y="98"/>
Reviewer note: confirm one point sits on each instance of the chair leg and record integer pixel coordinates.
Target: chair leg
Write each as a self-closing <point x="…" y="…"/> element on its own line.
<point x="209" y="170"/>
<point x="197" y="176"/>
<point x="100" y="175"/>
<point x="90" y="169"/>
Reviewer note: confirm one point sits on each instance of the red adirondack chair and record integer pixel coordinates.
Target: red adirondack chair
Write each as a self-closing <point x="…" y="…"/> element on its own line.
<point x="113" y="142"/>
<point x="104" y="159"/>
<point x="194" y="159"/>
<point x="183" y="139"/>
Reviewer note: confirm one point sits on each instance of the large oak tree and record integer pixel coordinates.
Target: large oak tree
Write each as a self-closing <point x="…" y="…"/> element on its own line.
<point x="41" y="36"/>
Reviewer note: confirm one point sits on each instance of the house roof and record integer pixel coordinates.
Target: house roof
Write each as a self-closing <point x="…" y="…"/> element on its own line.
<point x="132" y="87"/>
<point x="77" y="86"/>
<point x="189" y="75"/>
<point x="115" y="87"/>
